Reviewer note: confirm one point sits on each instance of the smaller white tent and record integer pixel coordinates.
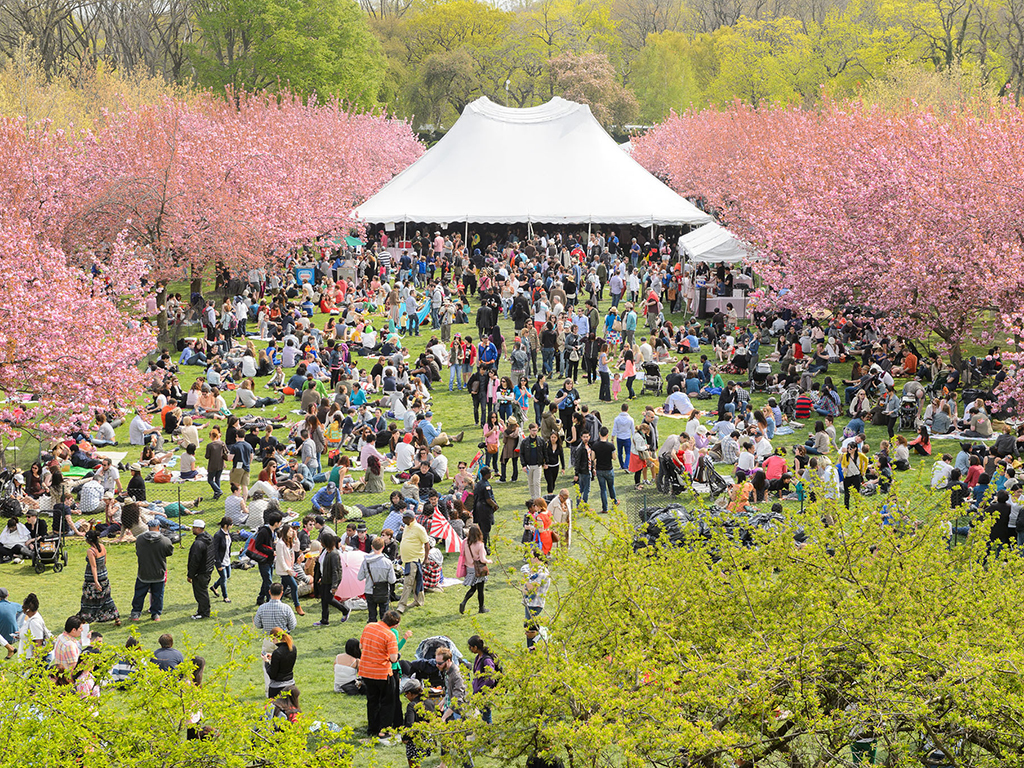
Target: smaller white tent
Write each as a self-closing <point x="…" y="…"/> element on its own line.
<point x="712" y="243"/>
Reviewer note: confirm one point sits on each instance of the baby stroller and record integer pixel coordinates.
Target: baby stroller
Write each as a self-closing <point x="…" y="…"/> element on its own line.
<point x="708" y="480"/>
<point x="49" y="551"/>
<point x="787" y="403"/>
<point x="759" y="377"/>
<point x="669" y="478"/>
<point x="908" y="413"/>
<point x="652" y="378"/>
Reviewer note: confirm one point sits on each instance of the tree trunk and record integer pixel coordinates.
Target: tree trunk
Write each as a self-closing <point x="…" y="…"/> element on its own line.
<point x="161" y="310"/>
<point x="196" y="285"/>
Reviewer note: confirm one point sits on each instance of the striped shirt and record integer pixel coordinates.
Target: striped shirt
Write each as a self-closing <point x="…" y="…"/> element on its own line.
<point x="377" y="644"/>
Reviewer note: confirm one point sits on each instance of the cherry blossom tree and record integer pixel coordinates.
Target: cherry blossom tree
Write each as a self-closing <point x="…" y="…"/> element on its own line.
<point x="234" y="182"/>
<point x="70" y="340"/>
<point x="913" y="214"/>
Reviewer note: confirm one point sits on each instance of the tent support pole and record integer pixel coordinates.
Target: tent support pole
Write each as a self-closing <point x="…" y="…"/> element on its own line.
<point x="466" y="241"/>
<point x="589" y="225"/>
<point x="405" y="233"/>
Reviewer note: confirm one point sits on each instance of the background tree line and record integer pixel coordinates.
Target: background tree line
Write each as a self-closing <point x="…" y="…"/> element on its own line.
<point x="632" y="60"/>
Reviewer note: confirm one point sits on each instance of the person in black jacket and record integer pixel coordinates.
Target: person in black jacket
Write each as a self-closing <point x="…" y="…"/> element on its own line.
<point x="264" y="546"/>
<point x="200" y="566"/>
<point x="152" y="550"/>
<point x="330" y="578"/>
<point x="280" y="664"/>
<point x="728" y="401"/>
<point x="222" y="558"/>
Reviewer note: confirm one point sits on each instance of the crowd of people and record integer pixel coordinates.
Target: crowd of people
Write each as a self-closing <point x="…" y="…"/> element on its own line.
<point x="330" y="333"/>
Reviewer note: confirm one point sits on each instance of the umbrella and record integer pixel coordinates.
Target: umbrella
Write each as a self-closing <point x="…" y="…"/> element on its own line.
<point x="350" y="586"/>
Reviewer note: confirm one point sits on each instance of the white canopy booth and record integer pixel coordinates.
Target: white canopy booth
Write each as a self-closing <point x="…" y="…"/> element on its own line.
<point x="714" y="244"/>
<point x="551" y="164"/>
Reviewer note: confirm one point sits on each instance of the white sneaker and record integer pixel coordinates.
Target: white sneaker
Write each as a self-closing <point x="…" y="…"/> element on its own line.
<point x="17" y="561"/>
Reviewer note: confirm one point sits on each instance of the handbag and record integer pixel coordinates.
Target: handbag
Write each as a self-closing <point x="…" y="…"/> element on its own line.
<point x="162" y="476"/>
<point x="254" y="554"/>
<point x="480" y="568"/>
<point x="492" y="448"/>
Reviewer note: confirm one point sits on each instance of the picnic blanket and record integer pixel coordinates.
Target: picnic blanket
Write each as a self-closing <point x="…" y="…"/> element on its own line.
<point x="957" y="436"/>
<point x="115" y="456"/>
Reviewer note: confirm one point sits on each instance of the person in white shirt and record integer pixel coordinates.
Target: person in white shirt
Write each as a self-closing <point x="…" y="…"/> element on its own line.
<point x="746" y="461"/>
<point x="404" y="454"/>
<point x="762" y="448"/>
<point x="248" y="366"/>
<point x="622" y="430"/>
<point x="646" y="352"/>
<point x="139" y="429"/>
<point x="678" y="402"/>
<point x="439" y="463"/>
<point x="32" y="632"/>
<point x="109" y="476"/>
<point x="941" y="470"/>
<point x="14" y="541"/>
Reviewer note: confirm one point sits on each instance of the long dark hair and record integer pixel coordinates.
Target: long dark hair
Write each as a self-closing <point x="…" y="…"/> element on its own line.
<point x="478" y="642"/>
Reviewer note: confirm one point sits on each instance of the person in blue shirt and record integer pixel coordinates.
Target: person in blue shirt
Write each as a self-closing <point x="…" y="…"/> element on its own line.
<point x="488" y="354"/>
<point x="433" y="434"/>
<point x="855" y="426"/>
<point x="692" y="340"/>
<point x="9" y="613"/>
<point x="358" y="395"/>
<point x="693" y="384"/>
<point x="326" y="499"/>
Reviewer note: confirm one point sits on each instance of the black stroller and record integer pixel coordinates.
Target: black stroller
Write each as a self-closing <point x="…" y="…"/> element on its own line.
<point x="652" y="378"/>
<point x="670" y="477"/>
<point x="759" y="377"/>
<point x="708" y="480"/>
<point x="908" y="413"/>
<point x="50" y="551"/>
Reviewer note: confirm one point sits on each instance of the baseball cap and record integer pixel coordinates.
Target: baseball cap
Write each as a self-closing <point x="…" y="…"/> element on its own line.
<point x="197" y="523"/>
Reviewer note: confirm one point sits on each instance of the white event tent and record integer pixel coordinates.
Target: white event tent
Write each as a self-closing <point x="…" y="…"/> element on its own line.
<point x="551" y="164"/>
<point x="713" y="243"/>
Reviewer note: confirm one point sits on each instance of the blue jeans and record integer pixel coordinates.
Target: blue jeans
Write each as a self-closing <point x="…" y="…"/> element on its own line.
<point x="606" y="479"/>
<point x="213" y="478"/>
<point x="615" y="299"/>
<point x="532" y="612"/>
<point x="730" y="408"/>
<point x="223" y="574"/>
<point x="548" y="356"/>
<point x="414" y="323"/>
<point x="584" y="484"/>
<point x="291" y="585"/>
<point x="455" y="377"/>
<point x="266" y="573"/>
<point x="155" y="590"/>
<point x="624" y="448"/>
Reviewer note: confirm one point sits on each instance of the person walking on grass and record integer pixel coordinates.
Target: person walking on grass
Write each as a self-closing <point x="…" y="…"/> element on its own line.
<point x="475" y="554"/>
<point x="152" y="549"/>
<point x="201" y="561"/>
<point x="330" y="578"/>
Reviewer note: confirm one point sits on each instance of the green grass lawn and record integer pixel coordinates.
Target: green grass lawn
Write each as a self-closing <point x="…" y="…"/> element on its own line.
<point x="230" y="631"/>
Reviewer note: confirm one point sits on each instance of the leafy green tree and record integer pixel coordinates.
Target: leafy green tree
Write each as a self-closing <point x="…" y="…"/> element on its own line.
<point x="321" y="47"/>
<point x="779" y="653"/>
<point x="662" y="76"/>
<point x="146" y="723"/>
